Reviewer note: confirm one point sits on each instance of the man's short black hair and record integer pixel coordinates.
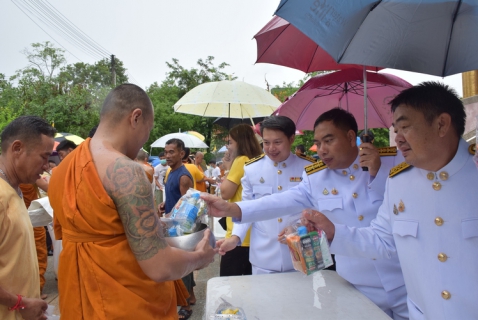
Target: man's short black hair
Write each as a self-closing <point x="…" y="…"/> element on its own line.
<point x="433" y="98"/>
<point x="280" y="123"/>
<point x="27" y="129"/>
<point x="212" y="161"/>
<point x="177" y="142"/>
<point x="301" y="148"/>
<point x="187" y="152"/>
<point x="65" y="145"/>
<point x="161" y="154"/>
<point x="341" y="119"/>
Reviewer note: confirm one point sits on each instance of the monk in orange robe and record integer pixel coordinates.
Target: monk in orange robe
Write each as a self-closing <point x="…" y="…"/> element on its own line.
<point x="30" y="193"/>
<point x="142" y="158"/>
<point x="115" y="263"/>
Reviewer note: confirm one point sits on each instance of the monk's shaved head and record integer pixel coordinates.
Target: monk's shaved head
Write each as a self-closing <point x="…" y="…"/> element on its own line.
<point x="122" y="100"/>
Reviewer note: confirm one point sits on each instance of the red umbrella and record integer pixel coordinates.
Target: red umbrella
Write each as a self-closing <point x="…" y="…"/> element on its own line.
<point x="281" y="43"/>
<point x="344" y="89"/>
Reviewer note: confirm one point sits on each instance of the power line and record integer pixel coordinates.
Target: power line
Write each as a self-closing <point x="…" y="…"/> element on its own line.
<point x="66" y="30"/>
<point x="106" y="52"/>
<point x="46" y="32"/>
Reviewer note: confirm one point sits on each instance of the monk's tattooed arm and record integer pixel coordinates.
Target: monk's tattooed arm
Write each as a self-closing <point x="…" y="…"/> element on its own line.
<point x="126" y="183"/>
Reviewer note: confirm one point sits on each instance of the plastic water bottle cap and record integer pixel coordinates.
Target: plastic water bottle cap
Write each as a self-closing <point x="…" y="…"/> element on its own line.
<point x="302" y="230"/>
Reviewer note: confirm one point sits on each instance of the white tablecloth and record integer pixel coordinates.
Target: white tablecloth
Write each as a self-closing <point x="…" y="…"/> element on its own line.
<point x="322" y="295"/>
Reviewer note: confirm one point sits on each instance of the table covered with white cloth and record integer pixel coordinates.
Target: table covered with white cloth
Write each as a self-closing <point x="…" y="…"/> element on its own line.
<point x="322" y="295"/>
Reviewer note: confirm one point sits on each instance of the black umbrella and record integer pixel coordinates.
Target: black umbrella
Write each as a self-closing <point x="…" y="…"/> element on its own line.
<point x="231" y="122"/>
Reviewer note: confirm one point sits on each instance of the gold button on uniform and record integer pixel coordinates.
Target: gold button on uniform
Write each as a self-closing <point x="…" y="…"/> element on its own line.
<point x="280" y="220"/>
<point x="438" y="221"/>
<point x="444" y="175"/>
<point x="284" y="165"/>
<point x="352" y="177"/>
<point x="445" y="295"/>
<point x="279" y="188"/>
<point x="275" y="164"/>
<point x="355" y="166"/>
<point x="436" y="185"/>
<point x="279" y="171"/>
<point x="430" y="176"/>
<point x="355" y="195"/>
<point x="360" y="217"/>
<point x="442" y="257"/>
<point x="344" y="172"/>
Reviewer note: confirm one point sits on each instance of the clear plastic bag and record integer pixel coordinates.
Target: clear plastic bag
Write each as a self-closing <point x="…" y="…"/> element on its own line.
<point x="188" y="213"/>
<point x="309" y="250"/>
<point x="226" y="311"/>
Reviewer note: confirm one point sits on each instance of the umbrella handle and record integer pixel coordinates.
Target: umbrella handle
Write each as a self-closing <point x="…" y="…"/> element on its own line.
<point x="366" y="138"/>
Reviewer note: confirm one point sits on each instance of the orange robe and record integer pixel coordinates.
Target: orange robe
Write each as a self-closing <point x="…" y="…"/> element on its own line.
<point x="201" y="186"/>
<point x="30" y="193"/>
<point x="98" y="276"/>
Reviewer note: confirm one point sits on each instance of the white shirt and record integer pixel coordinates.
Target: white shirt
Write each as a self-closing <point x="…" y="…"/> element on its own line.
<point x="316" y="191"/>
<point x="261" y="178"/>
<point x="434" y="232"/>
<point x="160" y="173"/>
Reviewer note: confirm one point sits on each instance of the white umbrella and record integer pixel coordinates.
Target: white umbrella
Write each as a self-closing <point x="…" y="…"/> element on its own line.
<point x="190" y="141"/>
<point x="227" y="99"/>
<point x="223" y="149"/>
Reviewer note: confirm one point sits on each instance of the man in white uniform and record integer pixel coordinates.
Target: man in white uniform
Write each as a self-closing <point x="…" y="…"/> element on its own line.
<point x="273" y="172"/>
<point x="430" y="212"/>
<point x="338" y="187"/>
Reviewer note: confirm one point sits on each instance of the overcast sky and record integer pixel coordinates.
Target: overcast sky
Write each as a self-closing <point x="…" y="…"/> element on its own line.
<point x="146" y="34"/>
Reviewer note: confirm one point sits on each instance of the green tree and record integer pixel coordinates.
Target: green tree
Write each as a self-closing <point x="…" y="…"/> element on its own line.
<point x="178" y="82"/>
<point x="70" y="96"/>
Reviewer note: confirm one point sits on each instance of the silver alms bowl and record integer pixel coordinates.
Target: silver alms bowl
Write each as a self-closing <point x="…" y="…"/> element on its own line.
<point x="189" y="242"/>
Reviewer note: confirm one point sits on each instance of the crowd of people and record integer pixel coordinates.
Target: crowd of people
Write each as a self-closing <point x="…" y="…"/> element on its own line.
<point x="403" y="231"/>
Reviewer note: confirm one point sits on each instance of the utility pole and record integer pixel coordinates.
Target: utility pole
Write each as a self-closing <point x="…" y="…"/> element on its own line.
<point x="113" y="70"/>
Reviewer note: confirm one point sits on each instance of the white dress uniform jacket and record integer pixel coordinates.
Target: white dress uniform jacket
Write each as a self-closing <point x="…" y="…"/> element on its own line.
<point x="431" y="220"/>
<point x="263" y="177"/>
<point x="346" y="196"/>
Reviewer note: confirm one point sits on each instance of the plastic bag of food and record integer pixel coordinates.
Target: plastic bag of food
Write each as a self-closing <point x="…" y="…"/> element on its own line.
<point x="309" y="250"/>
<point x="189" y="210"/>
<point x="226" y="311"/>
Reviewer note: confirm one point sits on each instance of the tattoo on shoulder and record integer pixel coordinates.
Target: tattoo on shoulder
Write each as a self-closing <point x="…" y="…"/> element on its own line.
<point x="126" y="183"/>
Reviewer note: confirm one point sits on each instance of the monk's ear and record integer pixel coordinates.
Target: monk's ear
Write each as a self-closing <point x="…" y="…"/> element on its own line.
<point x="135" y="117"/>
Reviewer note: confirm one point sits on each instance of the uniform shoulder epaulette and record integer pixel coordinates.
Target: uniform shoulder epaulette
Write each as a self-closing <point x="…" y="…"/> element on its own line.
<point x="399" y="168"/>
<point x="314" y="167"/>
<point x="305" y="157"/>
<point x="255" y="159"/>
<point x="387" y="151"/>
<point x="472" y="149"/>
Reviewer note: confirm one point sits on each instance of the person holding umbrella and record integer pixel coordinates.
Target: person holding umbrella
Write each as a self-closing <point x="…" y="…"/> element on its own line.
<point x="419" y="220"/>
<point x="338" y="187"/>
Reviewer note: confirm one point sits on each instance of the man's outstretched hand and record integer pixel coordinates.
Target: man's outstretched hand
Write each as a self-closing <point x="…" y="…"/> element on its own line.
<point x="316" y="220"/>
<point x="218" y="207"/>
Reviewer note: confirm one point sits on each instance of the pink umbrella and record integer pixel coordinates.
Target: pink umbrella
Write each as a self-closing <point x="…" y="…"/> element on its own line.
<point x="344" y="89"/>
<point x="281" y="43"/>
